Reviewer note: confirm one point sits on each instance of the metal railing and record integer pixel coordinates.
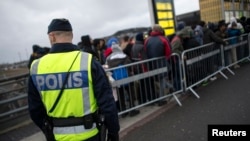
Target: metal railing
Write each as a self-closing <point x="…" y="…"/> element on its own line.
<point x="149" y="81"/>
<point x="13" y="97"/>
<point x="201" y="63"/>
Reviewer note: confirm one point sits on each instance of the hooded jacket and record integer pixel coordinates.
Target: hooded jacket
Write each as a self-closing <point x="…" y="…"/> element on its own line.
<point x="239" y="25"/>
<point x="117" y="57"/>
<point x="183" y="37"/>
<point x="157" y="46"/>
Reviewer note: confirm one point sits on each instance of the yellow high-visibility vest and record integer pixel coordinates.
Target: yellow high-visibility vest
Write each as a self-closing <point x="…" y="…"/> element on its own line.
<point x="48" y="74"/>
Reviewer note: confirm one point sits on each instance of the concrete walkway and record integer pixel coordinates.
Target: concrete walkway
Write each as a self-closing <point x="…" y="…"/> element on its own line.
<point x="222" y="102"/>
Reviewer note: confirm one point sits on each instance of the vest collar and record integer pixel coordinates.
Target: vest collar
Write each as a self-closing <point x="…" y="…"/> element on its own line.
<point x="63" y="47"/>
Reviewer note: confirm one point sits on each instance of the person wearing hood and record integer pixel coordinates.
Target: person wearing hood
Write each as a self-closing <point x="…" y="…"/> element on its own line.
<point x="238" y="25"/>
<point x="115" y="59"/>
<point x="182" y="41"/>
<point x="182" y="38"/>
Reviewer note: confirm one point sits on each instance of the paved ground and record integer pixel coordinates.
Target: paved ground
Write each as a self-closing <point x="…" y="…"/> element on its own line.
<point x="222" y="102"/>
<point x="27" y="131"/>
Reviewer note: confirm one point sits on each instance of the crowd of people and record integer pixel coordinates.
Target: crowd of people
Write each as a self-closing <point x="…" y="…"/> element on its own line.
<point x="115" y="52"/>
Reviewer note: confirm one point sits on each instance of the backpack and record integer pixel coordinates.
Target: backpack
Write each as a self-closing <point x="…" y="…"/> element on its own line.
<point x="120" y="73"/>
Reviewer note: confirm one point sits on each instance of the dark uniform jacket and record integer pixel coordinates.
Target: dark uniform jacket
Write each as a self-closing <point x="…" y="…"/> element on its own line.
<point x="102" y="92"/>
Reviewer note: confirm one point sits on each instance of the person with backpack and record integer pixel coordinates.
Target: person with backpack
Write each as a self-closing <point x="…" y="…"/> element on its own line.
<point x="115" y="59"/>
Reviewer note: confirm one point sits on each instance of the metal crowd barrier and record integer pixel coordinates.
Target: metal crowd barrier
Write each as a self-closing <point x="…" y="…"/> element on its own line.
<point x="148" y="81"/>
<point x="13" y="97"/>
<point x="203" y="62"/>
<point x="236" y="52"/>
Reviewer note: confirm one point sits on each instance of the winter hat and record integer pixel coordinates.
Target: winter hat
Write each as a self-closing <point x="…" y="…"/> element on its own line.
<point x="59" y="25"/>
<point x="111" y="40"/>
<point x="86" y="40"/>
<point x="139" y="37"/>
<point x="180" y="25"/>
<point x="35" y="48"/>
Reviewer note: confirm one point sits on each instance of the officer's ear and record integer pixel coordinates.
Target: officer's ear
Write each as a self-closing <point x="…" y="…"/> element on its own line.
<point x="52" y="37"/>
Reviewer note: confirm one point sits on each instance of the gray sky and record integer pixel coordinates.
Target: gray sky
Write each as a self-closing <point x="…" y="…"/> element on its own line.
<point x="25" y="22"/>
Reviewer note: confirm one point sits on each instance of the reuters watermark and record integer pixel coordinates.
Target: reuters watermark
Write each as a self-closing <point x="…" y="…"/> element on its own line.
<point x="219" y="132"/>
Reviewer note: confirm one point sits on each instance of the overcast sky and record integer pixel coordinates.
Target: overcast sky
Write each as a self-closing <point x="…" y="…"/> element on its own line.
<point x="25" y="22"/>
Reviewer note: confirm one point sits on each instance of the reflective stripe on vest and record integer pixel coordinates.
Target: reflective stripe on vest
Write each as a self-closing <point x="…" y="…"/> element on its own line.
<point x="48" y="74"/>
<point x="72" y="129"/>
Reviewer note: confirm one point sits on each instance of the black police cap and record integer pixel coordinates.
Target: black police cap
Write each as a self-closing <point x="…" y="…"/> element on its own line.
<point x="59" y="25"/>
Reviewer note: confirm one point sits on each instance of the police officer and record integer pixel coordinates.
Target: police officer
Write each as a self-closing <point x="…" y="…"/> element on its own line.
<point x="67" y="88"/>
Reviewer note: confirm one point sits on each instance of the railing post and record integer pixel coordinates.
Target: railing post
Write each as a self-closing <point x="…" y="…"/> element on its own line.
<point x="184" y="72"/>
<point x="249" y="45"/>
<point x="222" y="55"/>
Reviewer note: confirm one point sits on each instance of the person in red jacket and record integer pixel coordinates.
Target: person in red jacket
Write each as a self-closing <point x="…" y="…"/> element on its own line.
<point x="157" y="45"/>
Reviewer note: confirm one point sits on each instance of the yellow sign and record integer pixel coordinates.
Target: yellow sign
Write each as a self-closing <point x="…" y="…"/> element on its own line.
<point x="163" y="6"/>
<point x="165" y="17"/>
<point x="163" y="13"/>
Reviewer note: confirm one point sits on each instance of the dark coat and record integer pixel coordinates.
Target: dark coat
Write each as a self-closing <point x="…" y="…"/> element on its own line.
<point x="209" y="36"/>
<point x="233" y="32"/>
<point x="138" y="52"/>
<point x="157" y="46"/>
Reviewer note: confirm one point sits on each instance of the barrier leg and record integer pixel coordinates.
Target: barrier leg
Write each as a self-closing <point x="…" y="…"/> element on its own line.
<point x="248" y="58"/>
<point x="191" y="89"/>
<point x="230" y="70"/>
<point x="223" y="74"/>
<point x="177" y="100"/>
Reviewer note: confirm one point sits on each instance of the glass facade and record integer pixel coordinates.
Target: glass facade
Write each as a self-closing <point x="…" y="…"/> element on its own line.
<point x="215" y="10"/>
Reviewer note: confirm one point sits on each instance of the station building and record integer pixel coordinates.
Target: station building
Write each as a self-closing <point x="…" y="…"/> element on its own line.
<point x="215" y="10"/>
